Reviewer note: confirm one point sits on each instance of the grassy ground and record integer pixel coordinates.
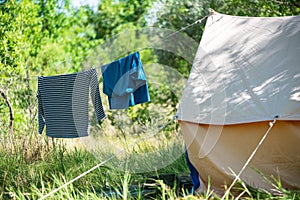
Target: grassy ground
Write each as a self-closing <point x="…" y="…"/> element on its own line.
<point x="37" y="167"/>
<point x="34" y="165"/>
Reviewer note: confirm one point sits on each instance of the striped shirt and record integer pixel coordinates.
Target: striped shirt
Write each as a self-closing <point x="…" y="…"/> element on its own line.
<point x="63" y="103"/>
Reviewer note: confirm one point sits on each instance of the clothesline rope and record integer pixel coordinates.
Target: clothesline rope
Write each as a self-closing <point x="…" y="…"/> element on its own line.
<point x="140" y="50"/>
<point x="176" y="32"/>
<point x="103" y="162"/>
<point x="107" y="160"/>
<point x="271" y="124"/>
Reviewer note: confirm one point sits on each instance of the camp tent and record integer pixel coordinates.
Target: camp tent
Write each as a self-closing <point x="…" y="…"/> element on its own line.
<point x="246" y="74"/>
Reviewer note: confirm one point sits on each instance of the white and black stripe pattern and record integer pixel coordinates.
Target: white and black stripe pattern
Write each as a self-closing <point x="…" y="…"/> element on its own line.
<point x="63" y="103"/>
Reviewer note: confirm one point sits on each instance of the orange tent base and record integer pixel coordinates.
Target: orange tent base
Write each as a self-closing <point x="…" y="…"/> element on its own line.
<point x="218" y="152"/>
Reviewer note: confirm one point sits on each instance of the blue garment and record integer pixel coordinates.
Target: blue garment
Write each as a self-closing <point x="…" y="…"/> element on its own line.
<point x="124" y="82"/>
<point x="63" y="103"/>
<point x="194" y="173"/>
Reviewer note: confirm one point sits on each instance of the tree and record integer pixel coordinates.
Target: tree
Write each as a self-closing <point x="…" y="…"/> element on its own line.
<point x="113" y="16"/>
<point x="36" y="38"/>
<point x="257" y="8"/>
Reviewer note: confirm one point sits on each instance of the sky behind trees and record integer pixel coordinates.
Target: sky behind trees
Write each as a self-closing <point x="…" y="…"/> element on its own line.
<point x="91" y="3"/>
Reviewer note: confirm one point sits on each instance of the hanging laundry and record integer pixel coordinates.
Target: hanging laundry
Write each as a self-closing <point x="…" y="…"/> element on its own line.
<point x="63" y="103"/>
<point x="124" y="82"/>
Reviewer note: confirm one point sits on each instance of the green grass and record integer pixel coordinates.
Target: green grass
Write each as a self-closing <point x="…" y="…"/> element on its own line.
<point x="39" y="165"/>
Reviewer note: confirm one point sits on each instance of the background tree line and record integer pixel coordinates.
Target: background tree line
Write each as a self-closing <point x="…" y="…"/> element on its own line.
<point x="46" y="37"/>
<point x="50" y="37"/>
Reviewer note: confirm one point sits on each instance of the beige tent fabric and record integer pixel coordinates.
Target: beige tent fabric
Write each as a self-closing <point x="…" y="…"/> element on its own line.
<point x="246" y="72"/>
<point x="246" y="69"/>
<point x="279" y="155"/>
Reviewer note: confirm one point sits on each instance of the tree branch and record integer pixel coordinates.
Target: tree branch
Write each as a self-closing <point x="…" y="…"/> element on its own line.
<point x="11" y="114"/>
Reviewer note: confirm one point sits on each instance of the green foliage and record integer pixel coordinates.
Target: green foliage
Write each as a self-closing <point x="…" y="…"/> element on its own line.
<point x="113" y="16"/>
<point x="257" y="8"/>
<point x="48" y="37"/>
<point x="19" y="38"/>
<point x="39" y="38"/>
